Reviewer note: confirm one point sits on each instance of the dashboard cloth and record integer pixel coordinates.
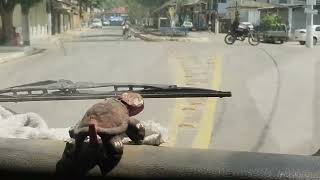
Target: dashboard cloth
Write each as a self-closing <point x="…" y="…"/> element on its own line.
<point x="32" y="126"/>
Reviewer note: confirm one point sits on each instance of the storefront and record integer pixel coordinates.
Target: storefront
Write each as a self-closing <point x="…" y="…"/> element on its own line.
<point x="61" y="16"/>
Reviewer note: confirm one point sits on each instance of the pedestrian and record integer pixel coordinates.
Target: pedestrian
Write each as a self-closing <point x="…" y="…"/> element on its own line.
<point x="14" y="38"/>
<point x="209" y="26"/>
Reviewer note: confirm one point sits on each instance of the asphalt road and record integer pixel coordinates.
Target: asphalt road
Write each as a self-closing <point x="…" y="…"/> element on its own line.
<point x="97" y="56"/>
<point x="275" y="103"/>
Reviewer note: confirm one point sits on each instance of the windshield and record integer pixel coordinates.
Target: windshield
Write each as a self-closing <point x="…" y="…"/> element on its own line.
<point x="272" y="73"/>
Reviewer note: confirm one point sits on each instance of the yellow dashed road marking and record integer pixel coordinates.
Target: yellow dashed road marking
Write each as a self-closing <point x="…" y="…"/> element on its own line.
<point x="205" y="127"/>
<point x="177" y="119"/>
<point x="178" y="114"/>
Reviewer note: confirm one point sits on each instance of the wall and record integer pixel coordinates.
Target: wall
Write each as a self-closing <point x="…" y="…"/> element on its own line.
<point x="299" y="19"/>
<point x="244" y="15"/>
<point x="38" y="20"/>
<point x="76" y="21"/>
<point x="254" y="16"/>
<point x="222" y="8"/>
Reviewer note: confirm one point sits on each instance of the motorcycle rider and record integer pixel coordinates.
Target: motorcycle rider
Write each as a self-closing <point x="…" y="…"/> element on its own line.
<point x="209" y="26"/>
<point x="235" y="24"/>
<point x="125" y="27"/>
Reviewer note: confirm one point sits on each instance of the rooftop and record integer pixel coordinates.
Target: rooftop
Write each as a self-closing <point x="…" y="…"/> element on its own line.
<point x="253" y="4"/>
<point x="118" y="10"/>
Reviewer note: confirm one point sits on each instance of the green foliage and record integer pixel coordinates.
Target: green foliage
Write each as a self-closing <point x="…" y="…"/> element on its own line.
<point x="271" y="22"/>
<point x="27" y="4"/>
<point x="137" y="8"/>
<point x="109" y="4"/>
<point x="6" y="5"/>
<point x="148" y="3"/>
<point x="141" y="8"/>
<point x="91" y="3"/>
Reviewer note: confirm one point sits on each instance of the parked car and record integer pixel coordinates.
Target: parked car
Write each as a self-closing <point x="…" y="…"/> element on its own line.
<point x="300" y="35"/>
<point x="96" y="23"/>
<point x="280" y="34"/>
<point x="188" y="25"/>
<point x="106" y="23"/>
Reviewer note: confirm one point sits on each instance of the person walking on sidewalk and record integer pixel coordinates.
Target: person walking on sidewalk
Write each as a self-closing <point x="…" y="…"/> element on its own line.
<point x="209" y="26"/>
<point x="15" y="36"/>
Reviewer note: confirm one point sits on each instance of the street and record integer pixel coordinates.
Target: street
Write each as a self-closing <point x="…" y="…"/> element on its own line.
<point x="275" y="105"/>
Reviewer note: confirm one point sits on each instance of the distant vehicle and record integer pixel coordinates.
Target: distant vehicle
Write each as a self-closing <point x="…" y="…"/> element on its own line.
<point x="188" y="25"/>
<point x="241" y="33"/>
<point x="116" y="21"/>
<point x="300" y="35"/>
<point x="96" y="23"/>
<point x="280" y="34"/>
<point x="106" y="23"/>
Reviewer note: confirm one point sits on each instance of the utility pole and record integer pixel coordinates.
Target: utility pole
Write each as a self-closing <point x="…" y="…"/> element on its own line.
<point x="49" y="11"/>
<point x="216" y="22"/>
<point x="290" y="18"/>
<point x="309" y="11"/>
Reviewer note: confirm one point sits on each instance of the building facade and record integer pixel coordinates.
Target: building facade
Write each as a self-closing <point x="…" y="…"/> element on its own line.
<point x="48" y="17"/>
<point x="291" y="13"/>
<point x="217" y="15"/>
<point x="38" y="21"/>
<point x="248" y="10"/>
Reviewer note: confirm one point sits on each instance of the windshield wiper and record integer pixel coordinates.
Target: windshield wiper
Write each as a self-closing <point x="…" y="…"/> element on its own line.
<point x="68" y="90"/>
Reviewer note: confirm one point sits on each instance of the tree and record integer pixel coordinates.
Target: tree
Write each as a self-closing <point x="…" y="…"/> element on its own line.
<point x="6" y="12"/>
<point x="89" y="3"/>
<point x="172" y="14"/>
<point x="142" y="8"/>
<point x="25" y="8"/>
<point x="270" y="22"/>
<point x="179" y="10"/>
<point x="109" y="4"/>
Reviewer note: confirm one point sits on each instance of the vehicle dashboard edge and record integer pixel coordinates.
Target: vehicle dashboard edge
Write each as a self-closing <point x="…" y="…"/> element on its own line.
<point x="38" y="158"/>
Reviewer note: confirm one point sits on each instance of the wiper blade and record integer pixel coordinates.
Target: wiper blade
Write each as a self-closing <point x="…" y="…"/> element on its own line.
<point x="67" y="90"/>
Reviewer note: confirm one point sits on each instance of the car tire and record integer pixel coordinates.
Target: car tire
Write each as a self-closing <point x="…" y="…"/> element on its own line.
<point x="302" y="42"/>
<point x="315" y="41"/>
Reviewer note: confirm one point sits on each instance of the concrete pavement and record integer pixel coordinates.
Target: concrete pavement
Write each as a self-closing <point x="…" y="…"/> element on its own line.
<point x="274" y="107"/>
<point x="8" y="53"/>
<point x="38" y="45"/>
<point x="273" y="103"/>
<point x="98" y="59"/>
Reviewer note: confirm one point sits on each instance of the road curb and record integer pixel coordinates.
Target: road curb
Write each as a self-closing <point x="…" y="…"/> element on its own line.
<point x="141" y="36"/>
<point x="28" y="51"/>
<point x="159" y="39"/>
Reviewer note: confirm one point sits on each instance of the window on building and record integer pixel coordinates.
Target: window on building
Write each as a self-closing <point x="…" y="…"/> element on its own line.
<point x="318" y="28"/>
<point x="222" y="1"/>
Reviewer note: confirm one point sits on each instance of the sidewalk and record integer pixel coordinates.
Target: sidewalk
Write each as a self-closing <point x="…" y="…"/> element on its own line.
<point x="46" y="41"/>
<point x="38" y="45"/>
<point x="8" y="53"/>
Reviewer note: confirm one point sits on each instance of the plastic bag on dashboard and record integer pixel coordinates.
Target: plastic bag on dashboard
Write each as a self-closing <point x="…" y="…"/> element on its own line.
<point x="33" y="126"/>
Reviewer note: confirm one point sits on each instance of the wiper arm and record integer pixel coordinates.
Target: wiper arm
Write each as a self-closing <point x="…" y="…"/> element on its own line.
<point x="67" y="90"/>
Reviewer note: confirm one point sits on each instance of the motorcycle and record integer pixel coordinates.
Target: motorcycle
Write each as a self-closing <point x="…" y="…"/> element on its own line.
<point x="241" y="34"/>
